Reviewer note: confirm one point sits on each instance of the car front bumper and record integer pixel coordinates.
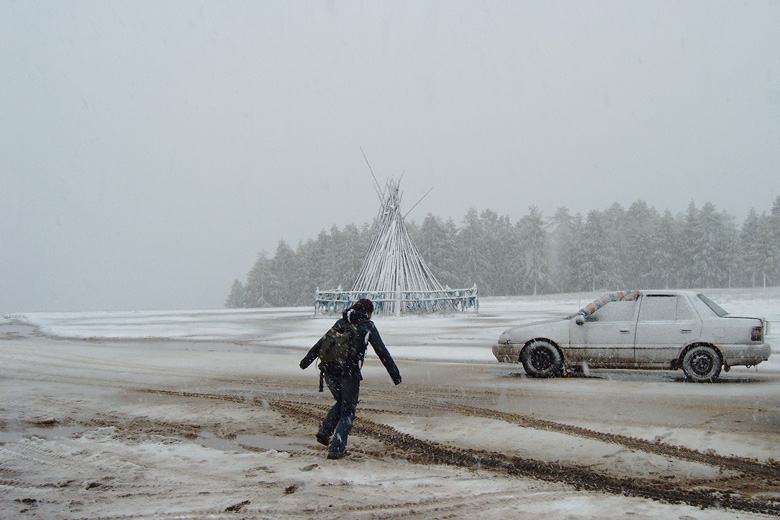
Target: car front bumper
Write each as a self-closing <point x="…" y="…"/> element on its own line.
<point x="506" y="353"/>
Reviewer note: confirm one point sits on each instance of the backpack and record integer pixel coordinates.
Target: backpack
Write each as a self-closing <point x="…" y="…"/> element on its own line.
<point x="338" y="351"/>
<point x="338" y="347"/>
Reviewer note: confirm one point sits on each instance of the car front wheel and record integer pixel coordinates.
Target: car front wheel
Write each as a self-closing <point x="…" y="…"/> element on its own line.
<point x="702" y="364"/>
<point x="541" y="359"/>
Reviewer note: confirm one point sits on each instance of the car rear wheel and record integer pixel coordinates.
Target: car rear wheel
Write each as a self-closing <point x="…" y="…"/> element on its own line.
<point x="702" y="364"/>
<point x="541" y="359"/>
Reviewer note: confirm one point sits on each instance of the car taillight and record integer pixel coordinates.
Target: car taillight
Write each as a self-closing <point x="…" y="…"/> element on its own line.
<point x="758" y="334"/>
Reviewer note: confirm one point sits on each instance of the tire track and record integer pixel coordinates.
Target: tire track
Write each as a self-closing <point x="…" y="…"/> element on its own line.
<point x="581" y="478"/>
<point x="704" y="493"/>
<point x="768" y="471"/>
<point x="765" y="470"/>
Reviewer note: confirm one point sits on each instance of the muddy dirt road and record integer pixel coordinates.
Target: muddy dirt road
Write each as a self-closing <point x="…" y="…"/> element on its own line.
<point x="94" y="429"/>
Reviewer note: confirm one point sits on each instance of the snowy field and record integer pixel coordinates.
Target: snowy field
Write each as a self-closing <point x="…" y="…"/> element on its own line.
<point x="459" y="337"/>
<point x="172" y="414"/>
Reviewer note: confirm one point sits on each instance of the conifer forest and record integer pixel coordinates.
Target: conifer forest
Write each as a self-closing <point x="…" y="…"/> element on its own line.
<point x="619" y="248"/>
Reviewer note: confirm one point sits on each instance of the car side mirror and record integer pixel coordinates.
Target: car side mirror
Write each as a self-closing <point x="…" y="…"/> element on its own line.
<point x="579" y="319"/>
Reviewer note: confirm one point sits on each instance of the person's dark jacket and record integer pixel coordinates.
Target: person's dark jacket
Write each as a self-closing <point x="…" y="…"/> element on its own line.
<point x="366" y="333"/>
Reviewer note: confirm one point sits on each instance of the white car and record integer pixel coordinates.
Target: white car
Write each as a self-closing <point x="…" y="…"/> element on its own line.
<point x="639" y="329"/>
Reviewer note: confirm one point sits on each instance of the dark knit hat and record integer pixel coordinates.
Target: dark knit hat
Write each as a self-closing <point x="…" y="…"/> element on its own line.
<point x="363" y="305"/>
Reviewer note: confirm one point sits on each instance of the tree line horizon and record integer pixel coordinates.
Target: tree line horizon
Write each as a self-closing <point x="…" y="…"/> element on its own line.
<point x="615" y="249"/>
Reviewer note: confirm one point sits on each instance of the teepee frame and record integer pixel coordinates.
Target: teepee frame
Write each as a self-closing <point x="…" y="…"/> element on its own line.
<point x="394" y="275"/>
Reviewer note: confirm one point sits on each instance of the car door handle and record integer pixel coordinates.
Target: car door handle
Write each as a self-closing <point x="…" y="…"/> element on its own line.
<point x="625" y="331"/>
<point x="685" y="331"/>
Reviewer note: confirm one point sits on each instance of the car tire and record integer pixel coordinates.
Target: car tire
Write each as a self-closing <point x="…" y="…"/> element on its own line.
<point x="702" y="364"/>
<point x="541" y="359"/>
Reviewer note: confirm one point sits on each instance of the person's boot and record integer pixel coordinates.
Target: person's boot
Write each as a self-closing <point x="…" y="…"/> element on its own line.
<point x="323" y="437"/>
<point x="337" y="454"/>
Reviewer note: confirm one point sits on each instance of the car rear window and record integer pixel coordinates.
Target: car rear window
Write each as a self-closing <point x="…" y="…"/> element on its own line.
<point x="665" y="307"/>
<point x="717" y="309"/>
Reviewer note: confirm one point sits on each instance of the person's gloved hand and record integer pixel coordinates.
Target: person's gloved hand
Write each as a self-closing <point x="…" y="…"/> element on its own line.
<point x="303" y="364"/>
<point x="397" y="381"/>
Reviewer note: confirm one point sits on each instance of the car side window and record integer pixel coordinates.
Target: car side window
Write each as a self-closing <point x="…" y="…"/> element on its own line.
<point x="684" y="309"/>
<point x="615" y="311"/>
<point x="664" y="308"/>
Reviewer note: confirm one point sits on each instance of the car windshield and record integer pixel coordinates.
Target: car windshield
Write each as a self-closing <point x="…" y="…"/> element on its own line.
<point x="717" y="309"/>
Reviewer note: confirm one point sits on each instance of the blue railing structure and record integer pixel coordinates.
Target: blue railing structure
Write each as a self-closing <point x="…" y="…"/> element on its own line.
<point x="401" y="302"/>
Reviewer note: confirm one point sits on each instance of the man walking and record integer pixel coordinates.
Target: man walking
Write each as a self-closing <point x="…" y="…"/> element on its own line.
<point x="341" y="371"/>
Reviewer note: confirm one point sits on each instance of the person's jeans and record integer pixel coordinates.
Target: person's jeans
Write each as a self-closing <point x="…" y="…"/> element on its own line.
<point x="338" y="422"/>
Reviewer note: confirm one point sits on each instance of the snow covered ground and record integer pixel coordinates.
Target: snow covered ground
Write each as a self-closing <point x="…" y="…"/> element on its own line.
<point x="172" y="414"/>
<point x="462" y="337"/>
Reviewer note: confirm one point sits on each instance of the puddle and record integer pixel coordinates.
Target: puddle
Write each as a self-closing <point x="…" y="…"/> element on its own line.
<point x="11" y="330"/>
<point x="43" y="432"/>
<point x="245" y="443"/>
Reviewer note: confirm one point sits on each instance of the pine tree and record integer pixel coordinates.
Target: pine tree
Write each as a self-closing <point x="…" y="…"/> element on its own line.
<point x="257" y="281"/>
<point x="598" y="262"/>
<point x="578" y="258"/>
<point x="666" y="250"/>
<point x="311" y="264"/>
<point x="560" y="250"/>
<point x="755" y="246"/>
<point x="712" y="237"/>
<point x="639" y="263"/>
<point x="536" y="272"/>
<point x="634" y="248"/>
<point x="281" y="281"/>
<point x="472" y="261"/>
<point x="693" y="261"/>
<point x="352" y="246"/>
<point x="237" y="296"/>
<point x="613" y="222"/>
<point x="501" y="253"/>
<point x="436" y="243"/>
<point x="772" y="268"/>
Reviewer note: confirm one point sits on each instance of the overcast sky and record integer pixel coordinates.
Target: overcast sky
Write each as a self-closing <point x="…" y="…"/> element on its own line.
<point x="150" y="150"/>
